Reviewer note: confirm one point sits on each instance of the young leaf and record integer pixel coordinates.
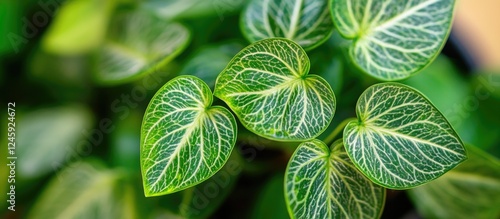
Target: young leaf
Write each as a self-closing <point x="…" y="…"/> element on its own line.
<point x="472" y="190"/>
<point x="320" y="183"/>
<point x="184" y="140"/>
<point x="137" y="45"/>
<point x="400" y="139"/>
<point x="268" y="87"/>
<point x="393" y="39"/>
<point x="307" y="22"/>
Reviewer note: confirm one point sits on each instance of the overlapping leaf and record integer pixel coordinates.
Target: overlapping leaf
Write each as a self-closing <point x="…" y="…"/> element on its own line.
<point x="393" y="39"/>
<point x="400" y="139"/>
<point x="268" y="87"/>
<point x="307" y="22"/>
<point x="137" y="44"/>
<point x="472" y="190"/>
<point x="320" y="183"/>
<point x="184" y="140"/>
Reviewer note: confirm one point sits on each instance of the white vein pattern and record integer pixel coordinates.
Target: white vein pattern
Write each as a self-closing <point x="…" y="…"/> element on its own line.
<point x="268" y="87"/>
<point x="320" y="183"/>
<point x="137" y="43"/>
<point x="401" y="140"/>
<point x="393" y="38"/>
<point x="307" y="22"/>
<point x="184" y="140"/>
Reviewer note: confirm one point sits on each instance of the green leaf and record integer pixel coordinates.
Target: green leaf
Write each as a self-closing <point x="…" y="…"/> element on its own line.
<point x="268" y="87"/>
<point x="307" y="22"/>
<point x="393" y="39"/>
<point x="86" y="190"/>
<point x="184" y="140"/>
<point x="472" y="190"/>
<point x="174" y="9"/>
<point x="323" y="183"/>
<point x="209" y="61"/>
<point x="137" y="45"/>
<point x="79" y="26"/>
<point x="56" y="135"/>
<point x="400" y="139"/>
<point x="442" y="83"/>
<point x="270" y="203"/>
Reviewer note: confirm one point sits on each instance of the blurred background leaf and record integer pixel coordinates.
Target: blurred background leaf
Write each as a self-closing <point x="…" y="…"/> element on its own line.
<point x="48" y="138"/>
<point x="137" y="44"/>
<point x="209" y="61"/>
<point x="86" y="190"/>
<point x="79" y="26"/>
<point x="472" y="190"/>
<point x="193" y="8"/>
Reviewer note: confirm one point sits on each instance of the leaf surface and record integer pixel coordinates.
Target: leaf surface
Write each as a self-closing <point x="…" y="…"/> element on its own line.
<point x="323" y="183"/>
<point x="184" y="140"/>
<point x="307" y="22"/>
<point x="393" y="39"/>
<point x="400" y="139"/>
<point x="268" y="87"/>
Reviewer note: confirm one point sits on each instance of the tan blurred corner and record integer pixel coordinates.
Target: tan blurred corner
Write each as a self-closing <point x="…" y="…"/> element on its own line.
<point x="477" y="25"/>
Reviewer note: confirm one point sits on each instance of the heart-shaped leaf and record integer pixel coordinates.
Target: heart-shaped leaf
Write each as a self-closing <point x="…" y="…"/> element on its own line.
<point x="320" y="183"/>
<point x="184" y="140"/>
<point x="307" y="22"/>
<point x="268" y="87"/>
<point x="400" y="139"/>
<point x="137" y="44"/>
<point x="472" y="190"/>
<point x="393" y="39"/>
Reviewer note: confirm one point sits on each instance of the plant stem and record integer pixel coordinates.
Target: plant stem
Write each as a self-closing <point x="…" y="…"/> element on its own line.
<point x="329" y="140"/>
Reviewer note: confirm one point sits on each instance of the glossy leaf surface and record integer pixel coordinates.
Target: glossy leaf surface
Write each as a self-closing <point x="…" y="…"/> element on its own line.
<point x="268" y="87"/>
<point x="184" y="140"/>
<point x="400" y="139"/>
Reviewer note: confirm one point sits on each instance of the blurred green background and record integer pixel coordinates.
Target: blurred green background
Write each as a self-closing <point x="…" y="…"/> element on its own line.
<point x="77" y="135"/>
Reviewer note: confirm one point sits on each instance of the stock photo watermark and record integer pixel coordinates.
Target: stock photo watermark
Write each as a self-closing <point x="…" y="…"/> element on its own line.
<point x="11" y="156"/>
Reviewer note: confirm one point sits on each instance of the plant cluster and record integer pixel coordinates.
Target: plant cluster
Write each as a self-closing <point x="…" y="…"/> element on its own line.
<point x="325" y="108"/>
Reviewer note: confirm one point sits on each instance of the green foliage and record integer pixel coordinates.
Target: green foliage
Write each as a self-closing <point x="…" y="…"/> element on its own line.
<point x="323" y="183"/>
<point x="307" y="22"/>
<point x="271" y="102"/>
<point x="86" y="190"/>
<point x="80" y="26"/>
<point x="472" y="190"/>
<point x="393" y="39"/>
<point x="208" y="62"/>
<point x="268" y="87"/>
<point x="55" y="137"/>
<point x="400" y="139"/>
<point x="138" y="44"/>
<point x="184" y="140"/>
